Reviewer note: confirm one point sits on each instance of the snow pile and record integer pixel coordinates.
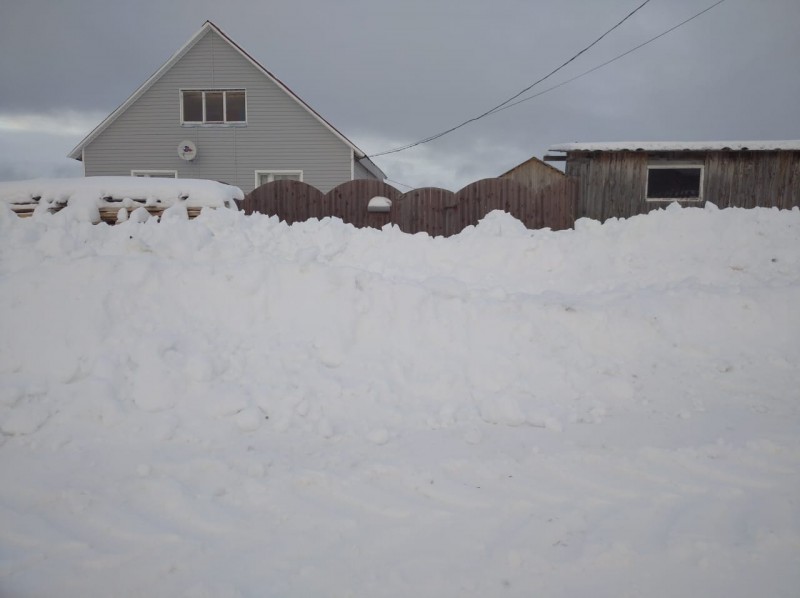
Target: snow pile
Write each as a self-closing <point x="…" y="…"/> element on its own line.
<point x="84" y="196"/>
<point x="231" y="406"/>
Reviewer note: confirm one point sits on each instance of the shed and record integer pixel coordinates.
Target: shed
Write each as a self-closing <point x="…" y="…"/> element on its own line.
<point x="535" y="174"/>
<point x="621" y="179"/>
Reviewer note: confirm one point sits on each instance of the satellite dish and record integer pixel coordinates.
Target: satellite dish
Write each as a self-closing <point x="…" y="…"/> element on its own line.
<point x="187" y="150"/>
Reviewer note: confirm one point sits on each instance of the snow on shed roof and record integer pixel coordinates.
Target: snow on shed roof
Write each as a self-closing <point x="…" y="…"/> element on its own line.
<point x="676" y="146"/>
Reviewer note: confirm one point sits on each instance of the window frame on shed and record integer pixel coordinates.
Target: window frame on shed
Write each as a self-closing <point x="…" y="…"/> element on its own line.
<point x="675" y="166"/>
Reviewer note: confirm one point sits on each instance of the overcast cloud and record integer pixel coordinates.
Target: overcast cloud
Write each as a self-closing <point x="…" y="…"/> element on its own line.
<point x="389" y="73"/>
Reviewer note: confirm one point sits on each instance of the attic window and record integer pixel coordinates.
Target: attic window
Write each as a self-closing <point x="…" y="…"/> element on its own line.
<point x="213" y="106"/>
<point x="675" y="182"/>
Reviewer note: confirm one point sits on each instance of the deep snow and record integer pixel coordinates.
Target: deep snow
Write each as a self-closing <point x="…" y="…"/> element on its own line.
<point x="230" y="406"/>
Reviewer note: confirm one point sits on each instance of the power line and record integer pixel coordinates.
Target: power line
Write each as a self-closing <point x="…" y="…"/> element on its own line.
<point x="506" y="105"/>
<point x="607" y="62"/>
<point x="515" y="96"/>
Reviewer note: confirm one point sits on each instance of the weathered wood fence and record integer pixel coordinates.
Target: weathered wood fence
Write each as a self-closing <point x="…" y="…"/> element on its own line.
<point x="438" y="212"/>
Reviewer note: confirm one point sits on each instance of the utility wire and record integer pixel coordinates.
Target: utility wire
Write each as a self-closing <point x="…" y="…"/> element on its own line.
<point x="506" y="105"/>
<point x="515" y="96"/>
<point x="607" y="62"/>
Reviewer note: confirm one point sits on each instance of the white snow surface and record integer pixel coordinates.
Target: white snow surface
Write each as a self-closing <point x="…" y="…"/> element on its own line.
<point x="655" y="146"/>
<point x="89" y="192"/>
<point x="231" y="406"/>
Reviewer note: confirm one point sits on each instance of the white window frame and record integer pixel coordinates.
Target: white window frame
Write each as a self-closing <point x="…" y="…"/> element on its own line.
<point x="224" y="123"/>
<point x="674" y="166"/>
<point x="154" y="173"/>
<point x="260" y="173"/>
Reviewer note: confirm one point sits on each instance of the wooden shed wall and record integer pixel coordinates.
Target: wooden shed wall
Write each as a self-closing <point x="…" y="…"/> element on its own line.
<point x="614" y="184"/>
<point x="753" y="179"/>
<point x="610" y="184"/>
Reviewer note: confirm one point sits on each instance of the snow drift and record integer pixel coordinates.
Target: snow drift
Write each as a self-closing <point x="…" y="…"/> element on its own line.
<point x="230" y="406"/>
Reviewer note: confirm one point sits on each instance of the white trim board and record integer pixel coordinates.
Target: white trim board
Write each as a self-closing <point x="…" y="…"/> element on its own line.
<point x="259" y="173"/>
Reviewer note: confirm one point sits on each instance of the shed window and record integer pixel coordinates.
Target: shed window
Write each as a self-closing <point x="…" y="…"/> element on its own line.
<point x="674" y="182"/>
<point x="213" y="106"/>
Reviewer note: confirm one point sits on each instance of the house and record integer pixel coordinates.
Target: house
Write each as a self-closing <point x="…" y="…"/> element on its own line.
<point x="622" y="179"/>
<point x="534" y="173"/>
<point x="213" y="112"/>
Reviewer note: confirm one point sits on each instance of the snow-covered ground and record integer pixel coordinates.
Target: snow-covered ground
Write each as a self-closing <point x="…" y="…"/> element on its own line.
<point x="233" y="407"/>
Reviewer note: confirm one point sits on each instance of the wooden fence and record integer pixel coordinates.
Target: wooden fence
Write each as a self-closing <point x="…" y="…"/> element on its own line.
<point x="438" y="212"/>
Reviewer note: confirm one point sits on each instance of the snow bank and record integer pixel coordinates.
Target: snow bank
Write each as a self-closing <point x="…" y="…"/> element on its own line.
<point x="84" y="196"/>
<point x="231" y="406"/>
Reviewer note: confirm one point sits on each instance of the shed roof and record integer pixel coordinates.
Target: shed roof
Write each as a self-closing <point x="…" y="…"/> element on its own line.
<point x="678" y="146"/>
<point x="533" y="160"/>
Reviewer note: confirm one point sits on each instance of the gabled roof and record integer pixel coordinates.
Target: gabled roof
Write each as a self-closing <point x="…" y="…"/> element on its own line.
<point x="76" y="153"/>
<point x="534" y="160"/>
<point x="677" y="146"/>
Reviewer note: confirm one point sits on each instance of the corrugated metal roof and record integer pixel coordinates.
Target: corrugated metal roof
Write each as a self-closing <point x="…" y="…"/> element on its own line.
<point x="677" y="146"/>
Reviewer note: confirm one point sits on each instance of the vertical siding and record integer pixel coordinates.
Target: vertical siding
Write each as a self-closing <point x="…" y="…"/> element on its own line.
<point x="432" y="210"/>
<point x="614" y="184"/>
<point x="280" y="134"/>
<point x="534" y="174"/>
<point x="611" y="184"/>
<point x="750" y="179"/>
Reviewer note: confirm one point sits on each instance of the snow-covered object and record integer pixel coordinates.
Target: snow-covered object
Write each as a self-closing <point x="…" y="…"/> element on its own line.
<point x="231" y="406"/>
<point x="84" y="196"/>
<point x="379" y="204"/>
<point x="677" y="146"/>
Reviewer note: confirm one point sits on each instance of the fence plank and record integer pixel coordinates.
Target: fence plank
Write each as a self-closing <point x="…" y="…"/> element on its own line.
<point x="438" y="212"/>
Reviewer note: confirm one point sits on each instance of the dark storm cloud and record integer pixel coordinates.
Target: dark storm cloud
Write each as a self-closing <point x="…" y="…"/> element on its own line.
<point x="388" y="73"/>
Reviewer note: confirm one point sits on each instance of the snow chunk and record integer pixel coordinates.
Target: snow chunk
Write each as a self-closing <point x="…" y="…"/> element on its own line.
<point x="500" y="224"/>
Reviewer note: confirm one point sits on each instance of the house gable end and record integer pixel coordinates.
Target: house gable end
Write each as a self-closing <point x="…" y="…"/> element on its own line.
<point x="279" y="134"/>
<point x="207" y="27"/>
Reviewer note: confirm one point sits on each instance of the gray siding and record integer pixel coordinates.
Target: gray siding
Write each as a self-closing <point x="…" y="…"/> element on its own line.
<point x="280" y="134"/>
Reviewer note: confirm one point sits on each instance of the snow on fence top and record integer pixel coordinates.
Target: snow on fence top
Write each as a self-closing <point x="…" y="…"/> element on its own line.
<point x="90" y="195"/>
<point x="676" y="146"/>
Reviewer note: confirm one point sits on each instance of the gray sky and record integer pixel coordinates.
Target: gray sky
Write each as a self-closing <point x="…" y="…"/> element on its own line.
<point x="389" y="73"/>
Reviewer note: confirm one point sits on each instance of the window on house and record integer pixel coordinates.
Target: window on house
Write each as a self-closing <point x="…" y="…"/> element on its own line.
<point x="213" y="106"/>
<point x="235" y="106"/>
<point x="156" y="174"/>
<point x="268" y="176"/>
<point x="674" y="182"/>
